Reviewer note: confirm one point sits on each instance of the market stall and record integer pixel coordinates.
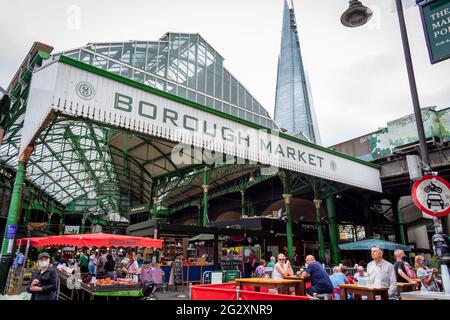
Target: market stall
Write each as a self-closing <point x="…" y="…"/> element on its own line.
<point x="74" y="285"/>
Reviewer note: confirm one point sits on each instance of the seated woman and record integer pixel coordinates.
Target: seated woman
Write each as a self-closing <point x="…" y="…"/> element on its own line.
<point x="283" y="268"/>
<point x="425" y="275"/>
<point x="337" y="278"/>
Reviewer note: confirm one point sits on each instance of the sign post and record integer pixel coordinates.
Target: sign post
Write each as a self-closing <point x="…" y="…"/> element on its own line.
<point x="436" y="26"/>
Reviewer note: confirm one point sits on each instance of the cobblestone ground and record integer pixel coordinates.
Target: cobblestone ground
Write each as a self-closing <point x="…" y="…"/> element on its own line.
<point x="180" y="293"/>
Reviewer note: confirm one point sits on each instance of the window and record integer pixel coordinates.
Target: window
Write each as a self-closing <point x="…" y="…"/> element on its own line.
<point x="192" y="60"/>
<point x="201" y="99"/>
<point x="234" y="111"/>
<point x="162" y="60"/>
<point x="234" y="91"/>
<point x="127" y="54"/>
<point x="241" y="96"/>
<point x="226" y="86"/>
<point x="218" y="105"/>
<point x="201" y="67"/>
<point x="191" y="95"/>
<point x="139" y="55"/>
<point x="152" y="57"/>
<point x="182" y="92"/>
<point x="209" y="102"/>
<point x="226" y="108"/>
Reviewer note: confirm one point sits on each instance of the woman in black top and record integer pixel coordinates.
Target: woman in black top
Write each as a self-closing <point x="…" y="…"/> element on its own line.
<point x="110" y="266"/>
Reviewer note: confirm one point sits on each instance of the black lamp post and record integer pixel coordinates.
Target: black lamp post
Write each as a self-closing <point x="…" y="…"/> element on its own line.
<point x="357" y="15"/>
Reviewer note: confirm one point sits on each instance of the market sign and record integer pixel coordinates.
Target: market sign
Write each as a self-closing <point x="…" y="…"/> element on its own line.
<point x="431" y="194"/>
<point x="436" y="24"/>
<point x="79" y="90"/>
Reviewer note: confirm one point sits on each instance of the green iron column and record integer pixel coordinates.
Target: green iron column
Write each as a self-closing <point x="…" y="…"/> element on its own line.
<point x="317" y="203"/>
<point x="333" y="231"/>
<point x="205" y="187"/>
<point x="242" y="203"/>
<point x="83" y="222"/>
<point x="155" y="207"/>
<point x="16" y="201"/>
<point x="290" y="238"/>
<point x="398" y="216"/>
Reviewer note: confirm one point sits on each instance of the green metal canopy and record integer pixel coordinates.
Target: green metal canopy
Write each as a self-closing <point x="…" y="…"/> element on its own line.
<point x="367" y="244"/>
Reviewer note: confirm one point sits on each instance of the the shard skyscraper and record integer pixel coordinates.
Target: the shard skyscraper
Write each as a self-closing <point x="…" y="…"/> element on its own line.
<point x="294" y="110"/>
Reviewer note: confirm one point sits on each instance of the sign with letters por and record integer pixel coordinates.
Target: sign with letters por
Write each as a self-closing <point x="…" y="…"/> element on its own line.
<point x="436" y="24"/>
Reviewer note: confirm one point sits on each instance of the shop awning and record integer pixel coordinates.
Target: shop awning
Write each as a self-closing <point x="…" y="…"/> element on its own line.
<point x="367" y="244"/>
<point x="92" y="240"/>
<point x="205" y="237"/>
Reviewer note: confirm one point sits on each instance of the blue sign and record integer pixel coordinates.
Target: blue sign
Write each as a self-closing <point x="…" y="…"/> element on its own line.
<point x="11" y="231"/>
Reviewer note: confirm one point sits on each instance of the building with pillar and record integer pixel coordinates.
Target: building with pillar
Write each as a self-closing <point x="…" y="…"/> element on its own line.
<point x="100" y="134"/>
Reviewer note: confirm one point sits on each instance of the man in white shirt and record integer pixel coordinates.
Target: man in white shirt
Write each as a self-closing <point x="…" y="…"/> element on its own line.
<point x="381" y="273"/>
<point x="360" y="274"/>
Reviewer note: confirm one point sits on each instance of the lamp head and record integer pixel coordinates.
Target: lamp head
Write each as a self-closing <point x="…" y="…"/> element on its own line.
<point x="356" y="15"/>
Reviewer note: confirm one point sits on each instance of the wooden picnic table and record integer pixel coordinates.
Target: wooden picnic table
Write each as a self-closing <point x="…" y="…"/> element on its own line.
<point x="359" y="291"/>
<point x="282" y="285"/>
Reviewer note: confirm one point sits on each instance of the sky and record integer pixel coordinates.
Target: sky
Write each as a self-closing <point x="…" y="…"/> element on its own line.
<point x="358" y="76"/>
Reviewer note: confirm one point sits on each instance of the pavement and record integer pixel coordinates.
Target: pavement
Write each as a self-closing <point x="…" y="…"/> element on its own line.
<point x="173" y="293"/>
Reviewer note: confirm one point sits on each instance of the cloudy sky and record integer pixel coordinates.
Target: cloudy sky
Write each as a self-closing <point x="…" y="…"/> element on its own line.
<point x="358" y="76"/>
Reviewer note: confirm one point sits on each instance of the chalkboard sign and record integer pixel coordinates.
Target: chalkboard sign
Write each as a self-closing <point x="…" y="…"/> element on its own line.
<point x="177" y="269"/>
<point x="231" y="265"/>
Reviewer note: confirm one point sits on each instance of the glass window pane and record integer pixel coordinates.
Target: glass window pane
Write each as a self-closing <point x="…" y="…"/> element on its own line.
<point x="201" y="99"/>
<point x="210" y="76"/>
<point x="86" y="57"/>
<point x="234" y="90"/>
<point x="248" y="116"/>
<point x="102" y="49"/>
<point x="183" y="61"/>
<point x="182" y="92"/>
<point x="138" y="76"/>
<point x="218" y="105"/>
<point x="234" y="111"/>
<point x="191" y="95"/>
<point x="226" y="108"/>
<point x="115" y="51"/>
<point x="226" y="86"/>
<point x="171" y="88"/>
<point x="150" y="81"/>
<point x="248" y="101"/>
<point x="160" y="84"/>
<point x="162" y="60"/>
<point x="241" y="96"/>
<point x="241" y="114"/>
<point x="173" y="58"/>
<point x="127" y="54"/>
<point x="218" y="81"/>
<point x="152" y="57"/>
<point x="100" y="62"/>
<point x="192" y="67"/>
<point x="201" y="67"/>
<point x="126" y="72"/>
<point x="114" y="67"/>
<point x="209" y="102"/>
<point x="139" y="55"/>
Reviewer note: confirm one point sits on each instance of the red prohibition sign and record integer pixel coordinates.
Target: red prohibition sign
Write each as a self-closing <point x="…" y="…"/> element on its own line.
<point x="437" y="195"/>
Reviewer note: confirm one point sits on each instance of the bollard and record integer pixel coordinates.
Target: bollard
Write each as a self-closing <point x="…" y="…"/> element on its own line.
<point x="190" y="290"/>
<point x="238" y="294"/>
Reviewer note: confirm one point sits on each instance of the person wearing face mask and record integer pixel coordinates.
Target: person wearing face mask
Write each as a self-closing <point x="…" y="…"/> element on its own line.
<point x="43" y="284"/>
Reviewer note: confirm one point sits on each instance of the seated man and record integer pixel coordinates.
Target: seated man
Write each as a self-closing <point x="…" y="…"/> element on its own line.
<point x="337" y="278"/>
<point x="320" y="281"/>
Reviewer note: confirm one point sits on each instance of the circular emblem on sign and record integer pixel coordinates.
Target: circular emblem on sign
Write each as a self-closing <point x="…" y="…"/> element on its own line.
<point x="431" y="194"/>
<point x="333" y="165"/>
<point x="85" y="90"/>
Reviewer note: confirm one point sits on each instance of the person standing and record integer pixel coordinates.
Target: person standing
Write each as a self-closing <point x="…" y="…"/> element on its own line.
<point x="84" y="262"/>
<point x="92" y="263"/>
<point x="320" y="281"/>
<point x="43" y="284"/>
<point x="101" y="263"/>
<point x="399" y="267"/>
<point x="132" y="268"/>
<point x="19" y="259"/>
<point x="381" y="273"/>
<point x="271" y="263"/>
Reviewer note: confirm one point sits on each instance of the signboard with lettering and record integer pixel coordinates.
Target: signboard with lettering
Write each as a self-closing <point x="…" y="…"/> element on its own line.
<point x="436" y="24"/>
<point x="74" y="89"/>
<point x="11" y="231"/>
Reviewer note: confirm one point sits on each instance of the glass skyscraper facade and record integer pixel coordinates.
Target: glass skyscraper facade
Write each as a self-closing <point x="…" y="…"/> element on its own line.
<point x="181" y="64"/>
<point x="293" y="105"/>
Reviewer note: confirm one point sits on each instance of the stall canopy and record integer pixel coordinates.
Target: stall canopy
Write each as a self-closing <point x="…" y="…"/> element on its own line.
<point x="367" y="244"/>
<point x="92" y="240"/>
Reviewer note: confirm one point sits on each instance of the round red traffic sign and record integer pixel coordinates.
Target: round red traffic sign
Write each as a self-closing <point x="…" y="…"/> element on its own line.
<point x="431" y="194"/>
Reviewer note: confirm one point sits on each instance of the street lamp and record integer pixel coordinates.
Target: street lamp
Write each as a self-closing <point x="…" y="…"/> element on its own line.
<point x="357" y="15"/>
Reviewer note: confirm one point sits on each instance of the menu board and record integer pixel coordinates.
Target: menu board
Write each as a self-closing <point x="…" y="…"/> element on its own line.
<point x="231" y="265"/>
